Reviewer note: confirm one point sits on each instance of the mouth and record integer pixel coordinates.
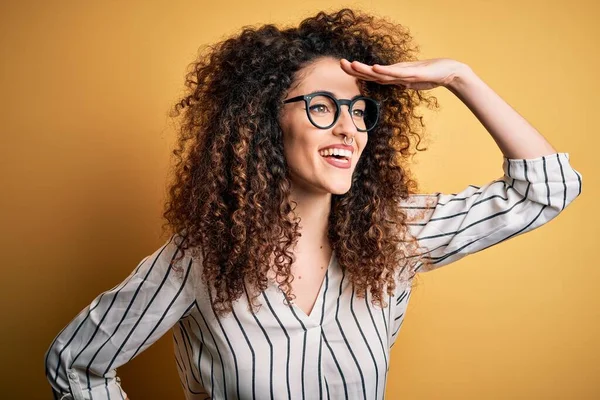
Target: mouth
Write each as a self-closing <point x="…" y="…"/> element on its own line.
<point x="340" y="159"/>
<point x="338" y="154"/>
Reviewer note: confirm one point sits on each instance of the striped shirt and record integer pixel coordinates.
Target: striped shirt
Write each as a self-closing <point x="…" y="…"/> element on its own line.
<point x="340" y="350"/>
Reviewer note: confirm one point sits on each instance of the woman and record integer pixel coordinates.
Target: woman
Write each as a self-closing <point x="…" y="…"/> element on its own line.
<point x="296" y="227"/>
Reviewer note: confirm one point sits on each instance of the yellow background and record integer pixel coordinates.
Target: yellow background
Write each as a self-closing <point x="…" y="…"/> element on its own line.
<point x="85" y="146"/>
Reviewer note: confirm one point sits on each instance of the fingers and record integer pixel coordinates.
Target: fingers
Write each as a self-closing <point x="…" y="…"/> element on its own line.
<point x="399" y="74"/>
<point x="377" y="73"/>
<point x="365" y="70"/>
<point x="396" y="71"/>
<point x="349" y="69"/>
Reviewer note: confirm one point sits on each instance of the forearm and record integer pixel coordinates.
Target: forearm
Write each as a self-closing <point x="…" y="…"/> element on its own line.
<point x="515" y="137"/>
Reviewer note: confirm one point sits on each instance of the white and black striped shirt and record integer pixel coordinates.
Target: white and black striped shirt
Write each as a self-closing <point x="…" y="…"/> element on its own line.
<point x="340" y="350"/>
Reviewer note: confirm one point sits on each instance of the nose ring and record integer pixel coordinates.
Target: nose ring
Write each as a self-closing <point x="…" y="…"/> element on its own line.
<point x="352" y="141"/>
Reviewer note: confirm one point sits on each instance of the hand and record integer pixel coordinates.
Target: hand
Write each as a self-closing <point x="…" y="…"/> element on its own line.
<point x="418" y="75"/>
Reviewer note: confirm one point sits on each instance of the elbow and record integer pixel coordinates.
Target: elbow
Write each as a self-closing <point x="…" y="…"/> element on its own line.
<point x="572" y="190"/>
<point x="555" y="194"/>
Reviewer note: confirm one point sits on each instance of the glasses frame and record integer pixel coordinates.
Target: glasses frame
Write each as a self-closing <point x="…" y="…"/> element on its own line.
<point x="339" y="103"/>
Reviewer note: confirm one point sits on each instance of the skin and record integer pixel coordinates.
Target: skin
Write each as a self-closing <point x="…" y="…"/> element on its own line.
<point x="313" y="179"/>
<point x="515" y="137"/>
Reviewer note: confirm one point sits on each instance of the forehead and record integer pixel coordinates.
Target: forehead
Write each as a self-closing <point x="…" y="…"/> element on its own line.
<point x="325" y="74"/>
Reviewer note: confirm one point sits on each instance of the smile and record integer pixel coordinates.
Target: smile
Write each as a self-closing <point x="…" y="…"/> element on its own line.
<point x="340" y="154"/>
<point x="338" y="162"/>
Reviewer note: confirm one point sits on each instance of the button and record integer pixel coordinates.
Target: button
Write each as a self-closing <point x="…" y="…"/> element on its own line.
<point x="72" y="375"/>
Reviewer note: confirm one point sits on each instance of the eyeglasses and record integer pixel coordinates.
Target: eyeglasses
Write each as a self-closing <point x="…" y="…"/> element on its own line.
<point x="323" y="110"/>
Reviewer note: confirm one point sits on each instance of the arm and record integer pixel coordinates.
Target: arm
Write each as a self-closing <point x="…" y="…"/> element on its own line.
<point x="538" y="182"/>
<point x="515" y="137"/>
<point x="119" y="324"/>
<point x="531" y="193"/>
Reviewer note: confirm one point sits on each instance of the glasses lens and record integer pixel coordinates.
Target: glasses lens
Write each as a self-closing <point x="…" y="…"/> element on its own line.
<point x="365" y="114"/>
<point x="322" y="111"/>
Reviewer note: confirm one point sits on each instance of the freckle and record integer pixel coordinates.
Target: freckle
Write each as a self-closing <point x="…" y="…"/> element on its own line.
<point x="299" y="277"/>
<point x="321" y="247"/>
<point x="322" y="267"/>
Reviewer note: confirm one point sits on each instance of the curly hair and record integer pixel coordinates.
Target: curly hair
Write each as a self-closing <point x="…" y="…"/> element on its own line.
<point x="229" y="195"/>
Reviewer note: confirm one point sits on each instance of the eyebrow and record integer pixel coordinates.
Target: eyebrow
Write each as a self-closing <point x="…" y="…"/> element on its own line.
<point x="333" y="94"/>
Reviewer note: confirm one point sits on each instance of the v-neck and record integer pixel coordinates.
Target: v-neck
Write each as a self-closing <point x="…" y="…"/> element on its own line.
<point x="314" y="317"/>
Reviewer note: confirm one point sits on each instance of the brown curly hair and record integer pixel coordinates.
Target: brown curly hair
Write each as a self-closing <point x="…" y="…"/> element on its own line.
<point x="230" y="191"/>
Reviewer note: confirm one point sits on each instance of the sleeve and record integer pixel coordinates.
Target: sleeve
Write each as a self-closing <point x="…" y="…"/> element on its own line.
<point x="531" y="193"/>
<point x="119" y="324"/>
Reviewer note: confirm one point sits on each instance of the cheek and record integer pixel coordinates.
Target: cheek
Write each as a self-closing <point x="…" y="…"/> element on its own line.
<point x="298" y="153"/>
<point x="294" y="151"/>
<point x="299" y="144"/>
<point x="362" y="145"/>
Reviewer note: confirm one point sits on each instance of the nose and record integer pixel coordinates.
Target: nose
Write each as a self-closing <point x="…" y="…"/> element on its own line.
<point x="345" y="125"/>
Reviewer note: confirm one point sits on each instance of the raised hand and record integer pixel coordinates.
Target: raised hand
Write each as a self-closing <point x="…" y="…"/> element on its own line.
<point x="418" y="75"/>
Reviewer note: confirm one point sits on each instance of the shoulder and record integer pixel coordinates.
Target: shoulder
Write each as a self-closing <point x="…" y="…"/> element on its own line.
<point x="418" y="207"/>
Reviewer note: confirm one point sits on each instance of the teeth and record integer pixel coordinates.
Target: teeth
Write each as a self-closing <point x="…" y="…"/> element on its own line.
<point x="337" y="152"/>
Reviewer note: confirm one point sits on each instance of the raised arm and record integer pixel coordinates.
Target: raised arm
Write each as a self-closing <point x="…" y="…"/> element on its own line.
<point x="531" y="193"/>
<point x="451" y="226"/>
<point x="118" y="325"/>
<point x="538" y="182"/>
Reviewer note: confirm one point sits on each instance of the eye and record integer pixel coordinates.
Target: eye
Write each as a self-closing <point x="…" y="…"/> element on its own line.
<point x="358" y="113"/>
<point x="320" y="108"/>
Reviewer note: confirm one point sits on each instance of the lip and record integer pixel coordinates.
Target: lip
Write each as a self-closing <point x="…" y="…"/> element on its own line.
<point x="336" y="163"/>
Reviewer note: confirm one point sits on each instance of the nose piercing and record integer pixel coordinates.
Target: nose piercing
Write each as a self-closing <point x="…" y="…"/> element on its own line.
<point x="352" y="141"/>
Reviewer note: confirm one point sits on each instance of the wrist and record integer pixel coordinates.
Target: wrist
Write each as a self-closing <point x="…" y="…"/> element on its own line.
<point x="463" y="75"/>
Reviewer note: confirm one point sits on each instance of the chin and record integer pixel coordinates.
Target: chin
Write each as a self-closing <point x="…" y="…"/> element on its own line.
<point x="339" y="189"/>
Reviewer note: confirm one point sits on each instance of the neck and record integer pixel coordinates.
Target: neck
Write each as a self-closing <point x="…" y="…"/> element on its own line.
<point x="313" y="210"/>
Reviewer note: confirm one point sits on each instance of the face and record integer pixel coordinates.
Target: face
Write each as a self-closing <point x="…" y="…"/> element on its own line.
<point x="310" y="170"/>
